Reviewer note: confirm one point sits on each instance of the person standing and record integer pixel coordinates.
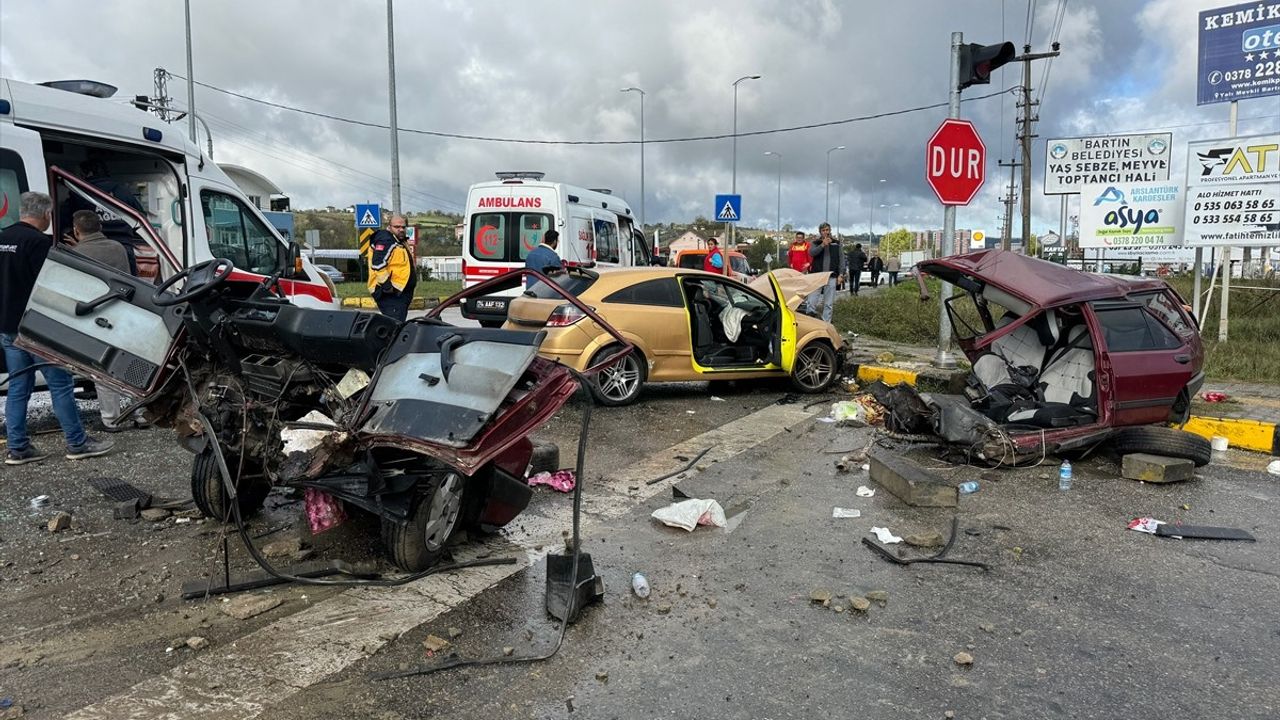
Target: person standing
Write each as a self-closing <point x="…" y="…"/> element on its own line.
<point x="857" y="262"/>
<point x="391" y="273"/>
<point x="23" y="249"/>
<point x="543" y="258"/>
<point x="798" y="254"/>
<point x="876" y="266"/>
<point x="893" y="267"/>
<point x="714" y="261"/>
<point x="92" y="242"/>
<point x="825" y="257"/>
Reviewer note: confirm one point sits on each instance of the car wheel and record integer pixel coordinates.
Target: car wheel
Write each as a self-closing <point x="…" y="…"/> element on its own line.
<point x="545" y="458"/>
<point x="1157" y="440"/>
<point x="815" y="368"/>
<point x="210" y="495"/>
<point x="417" y="543"/>
<point x="618" y="384"/>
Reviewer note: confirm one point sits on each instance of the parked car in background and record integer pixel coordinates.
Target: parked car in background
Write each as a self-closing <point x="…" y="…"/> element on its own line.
<point x="693" y="260"/>
<point x="334" y="273"/>
<point x="685" y="325"/>
<point x="1062" y="360"/>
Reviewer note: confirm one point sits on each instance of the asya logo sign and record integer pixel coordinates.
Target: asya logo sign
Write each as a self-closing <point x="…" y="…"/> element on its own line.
<point x="1136" y="215"/>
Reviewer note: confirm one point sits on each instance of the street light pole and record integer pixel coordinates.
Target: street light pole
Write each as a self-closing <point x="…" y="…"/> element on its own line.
<point x="642" y="215"/>
<point x="837" y="184"/>
<point x="826" y="205"/>
<point x="733" y="227"/>
<point x="890" y="211"/>
<point x="191" y="81"/>
<point x="395" y="129"/>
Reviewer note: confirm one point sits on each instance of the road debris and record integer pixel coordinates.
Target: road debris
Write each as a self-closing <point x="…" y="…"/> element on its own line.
<point x="936" y="558"/>
<point x="930" y="539"/>
<point x="864" y="491"/>
<point x="1156" y="468"/>
<point x="1202" y="532"/>
<point x="859" y="603"/>
<point x="154" y="514"/>
<point x="1215" y="397"/>
<point x="820" y="595"/>
<point x="839" y="512"/>
<point x="689" y="514"/>
<point x="59" y="522"/>
<point x="1145" y="524"/>
<point x="435" y="643"/>
<point x="324" y="511"/>
<point x="640" y="585"/>
<point x="1274" y="467"/>
<point x="963" y="658"/>
<point x="716" y="399"/>
<point x="880" y="596"/>
<point x="247" y="606"/>
<point x="885" y="536"/>
<point x="688" y="464"/>
<point x="560" y="480"/>
<point x="39" y="502"/>
<point x="197" y="643"/>
<point x="284" y="548"/>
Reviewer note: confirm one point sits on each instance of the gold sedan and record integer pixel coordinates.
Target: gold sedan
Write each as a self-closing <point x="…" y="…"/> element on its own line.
<point x="685" y="325"/>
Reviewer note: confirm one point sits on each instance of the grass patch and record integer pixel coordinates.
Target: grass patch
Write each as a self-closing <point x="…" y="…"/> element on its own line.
<point x="1251" y="354"/>
<point x="425" y="289"/>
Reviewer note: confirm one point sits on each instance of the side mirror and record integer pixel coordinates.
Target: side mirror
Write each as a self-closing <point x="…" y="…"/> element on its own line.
<point x="289" y="260"/>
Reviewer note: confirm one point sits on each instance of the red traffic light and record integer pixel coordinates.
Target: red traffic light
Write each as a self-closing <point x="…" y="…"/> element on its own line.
<point x="978" y="61"/>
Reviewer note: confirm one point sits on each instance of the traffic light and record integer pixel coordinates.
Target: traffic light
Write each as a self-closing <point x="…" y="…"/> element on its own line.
<point x="977" y="62"/>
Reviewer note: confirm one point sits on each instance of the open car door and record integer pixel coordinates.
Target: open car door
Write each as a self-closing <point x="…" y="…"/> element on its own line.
<point x="100" y="321"/>
<point x="786" y="347"/>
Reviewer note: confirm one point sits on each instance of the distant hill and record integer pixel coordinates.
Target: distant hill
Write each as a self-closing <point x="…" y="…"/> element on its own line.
<point x="337" y="228"/>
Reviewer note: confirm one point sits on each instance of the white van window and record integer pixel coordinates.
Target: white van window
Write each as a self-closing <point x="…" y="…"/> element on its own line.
<point x="506" y="237"/>
<point x="236" y="234"/>
<point x="608" y="249"/>
<point x="13" y="182"/>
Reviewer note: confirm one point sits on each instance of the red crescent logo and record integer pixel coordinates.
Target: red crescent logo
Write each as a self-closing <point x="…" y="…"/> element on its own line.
<point x="487" y="241"/>
<point x="4" y="208"/>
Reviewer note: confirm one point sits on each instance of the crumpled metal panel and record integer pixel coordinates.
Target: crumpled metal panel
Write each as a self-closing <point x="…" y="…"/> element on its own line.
<point x="405" y="401"/>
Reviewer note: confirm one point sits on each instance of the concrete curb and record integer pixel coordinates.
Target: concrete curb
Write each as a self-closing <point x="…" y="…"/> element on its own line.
<point x="1256" y="435"/>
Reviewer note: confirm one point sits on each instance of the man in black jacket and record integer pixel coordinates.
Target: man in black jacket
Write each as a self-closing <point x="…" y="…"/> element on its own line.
<point x="876" y="266"/>
<point x="23" y="249"/>
<point x="826" y="257"/>
<point x="857" y="262"/>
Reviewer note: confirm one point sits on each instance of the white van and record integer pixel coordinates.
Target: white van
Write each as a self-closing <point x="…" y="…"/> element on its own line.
<point x="507" y="218"/>
<point x="54" y="133"/>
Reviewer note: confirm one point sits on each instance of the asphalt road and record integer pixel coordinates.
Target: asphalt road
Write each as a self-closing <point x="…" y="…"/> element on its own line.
<point x="1077" y="618"/>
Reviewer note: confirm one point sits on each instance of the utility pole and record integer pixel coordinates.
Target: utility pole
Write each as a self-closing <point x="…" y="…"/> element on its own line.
<point x="1028" y="116"/>
<point x="1007" y="234"/>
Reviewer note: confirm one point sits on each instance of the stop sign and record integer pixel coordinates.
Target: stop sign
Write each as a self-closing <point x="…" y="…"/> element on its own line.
<point x="955" y="162"/>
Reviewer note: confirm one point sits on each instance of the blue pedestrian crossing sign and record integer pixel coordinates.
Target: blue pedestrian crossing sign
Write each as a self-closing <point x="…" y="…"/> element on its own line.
<point x="728" y="208"/>
<point x="368" y="216"/>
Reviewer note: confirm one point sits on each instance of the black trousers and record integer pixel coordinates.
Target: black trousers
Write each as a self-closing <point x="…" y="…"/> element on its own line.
<point x="395" y="306"/>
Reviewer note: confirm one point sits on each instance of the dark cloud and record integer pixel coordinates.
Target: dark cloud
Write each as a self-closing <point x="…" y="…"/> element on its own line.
<point x="554" y="70"/>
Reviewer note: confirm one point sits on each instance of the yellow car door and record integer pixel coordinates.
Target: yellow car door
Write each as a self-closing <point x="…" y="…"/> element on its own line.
<point x="786" y="327"/>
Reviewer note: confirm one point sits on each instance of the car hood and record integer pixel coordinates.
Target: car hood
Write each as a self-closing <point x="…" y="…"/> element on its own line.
<point x="796" y="286"/>
<point x="1038" y="282"/>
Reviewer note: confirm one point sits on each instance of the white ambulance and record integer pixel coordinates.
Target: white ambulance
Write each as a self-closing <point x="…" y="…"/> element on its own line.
<point x="507" y="218"/>
<point x="74" y="141"/>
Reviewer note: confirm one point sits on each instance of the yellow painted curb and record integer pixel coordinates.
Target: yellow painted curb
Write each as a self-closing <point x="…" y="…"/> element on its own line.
<point x="359" y="302"/>
<point x="887" y="375"/>
<point x="1243" y="434"/>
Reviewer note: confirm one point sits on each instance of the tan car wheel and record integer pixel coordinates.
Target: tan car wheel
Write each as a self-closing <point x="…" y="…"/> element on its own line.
<point x="618" y="384"/>
<point x="815" y="368"/>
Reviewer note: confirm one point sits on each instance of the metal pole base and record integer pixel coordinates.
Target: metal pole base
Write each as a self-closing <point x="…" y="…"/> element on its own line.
<point x="945" y="360"/>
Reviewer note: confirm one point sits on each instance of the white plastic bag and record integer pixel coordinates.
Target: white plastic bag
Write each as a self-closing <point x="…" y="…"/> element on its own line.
<point x="849" y="413"/>
<point x="689" y="514"/>
<point x="1274" y="467"/>
<point x="885" y="536"/>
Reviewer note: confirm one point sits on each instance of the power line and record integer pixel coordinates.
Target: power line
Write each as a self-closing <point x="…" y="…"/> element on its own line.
<point x="529" y="141"/>
<point x="1056" y="32"/>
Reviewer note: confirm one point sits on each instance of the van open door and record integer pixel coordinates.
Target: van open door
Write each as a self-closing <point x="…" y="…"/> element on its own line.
<point x="100" y="321"/>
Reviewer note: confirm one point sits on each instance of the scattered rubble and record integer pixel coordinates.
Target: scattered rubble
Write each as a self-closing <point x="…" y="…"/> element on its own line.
<point x="283" y="548"/>
<point x="821" y="595"/>
<point x="247" y="606"/>
<point x="859" y="603"/>
<point x="59" y="522"/>
<point x="154" y="514"/>
<point x="1156" y="468"/>
<point x="435" y="643"/>
<point x="930" y="539"/>
<point x="880" y="596"/>
<point x="963" y="658"/>
<point x="197" y="643"/>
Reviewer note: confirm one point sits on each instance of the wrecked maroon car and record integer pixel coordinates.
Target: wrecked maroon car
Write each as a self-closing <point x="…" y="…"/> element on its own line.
<point x="421" y="423"/>
<point x="1061" y="360"/>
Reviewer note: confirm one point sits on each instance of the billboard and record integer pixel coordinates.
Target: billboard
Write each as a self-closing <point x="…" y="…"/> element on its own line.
<point x="1233" y="192"/>
<point x="1071" y="163"/>
<point x="1130" y="215"/>
<point x="1238" y="53"/>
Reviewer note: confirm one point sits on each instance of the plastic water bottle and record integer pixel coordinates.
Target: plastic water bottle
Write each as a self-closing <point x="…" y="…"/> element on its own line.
<point x="1064" y="475"/>
<point x="968" y="488"/>
<point x="640" y="585"/>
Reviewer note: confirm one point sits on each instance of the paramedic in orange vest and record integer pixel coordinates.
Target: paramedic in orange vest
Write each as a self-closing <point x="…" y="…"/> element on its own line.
<point x="714" y="261"/>
<point x="391" y="273"/>
<point x="798" y="256"/>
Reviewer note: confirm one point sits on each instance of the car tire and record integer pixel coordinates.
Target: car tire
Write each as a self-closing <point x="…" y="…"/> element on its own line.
<point x="417" y="543"/>
<point x="1157" y="440"/>
<point x="619" y="384"/>
<point x="210" y="496"/>
<point x="815" y="368"/>
<point x="545" y="458"/>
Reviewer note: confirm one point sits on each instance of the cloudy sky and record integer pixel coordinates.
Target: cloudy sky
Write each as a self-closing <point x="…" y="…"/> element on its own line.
<point x="553" y="70"/>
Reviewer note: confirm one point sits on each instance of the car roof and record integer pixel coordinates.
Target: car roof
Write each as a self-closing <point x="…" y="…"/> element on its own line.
<point x="1044" y="283"/>
<point x="611" y="279"/>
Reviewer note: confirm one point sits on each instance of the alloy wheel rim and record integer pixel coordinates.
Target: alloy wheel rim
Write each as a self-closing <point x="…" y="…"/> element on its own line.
<point x="446" y="505"/>
<point x="815" y="368"/>
<point x="620" y="381"/>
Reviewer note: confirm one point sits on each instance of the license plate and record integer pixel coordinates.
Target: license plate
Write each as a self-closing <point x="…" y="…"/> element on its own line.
<point x="491" y="304"/>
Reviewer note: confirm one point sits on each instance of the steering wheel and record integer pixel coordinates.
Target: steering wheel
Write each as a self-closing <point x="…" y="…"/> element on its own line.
<point x="202" y="279"/>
